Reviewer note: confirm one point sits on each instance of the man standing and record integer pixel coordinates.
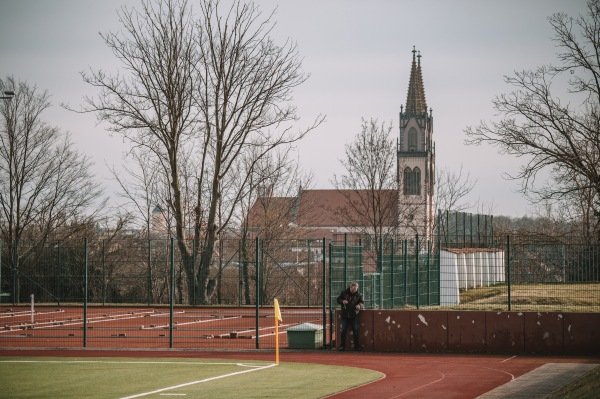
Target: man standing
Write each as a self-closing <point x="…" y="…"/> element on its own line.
<point x="351" y="301"/>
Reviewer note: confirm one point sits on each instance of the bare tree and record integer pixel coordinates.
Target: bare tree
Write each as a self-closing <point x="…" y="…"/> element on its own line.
<point x="142" y="185"/>
<point x="271" y="212"/>
<point x="47" y="191"/>
<point x="210" y="88"/>
<point x="151" y="102"/>
<point x="452" y="189"/>
<point x="545" y="128"/>
<point x="369" y="185"/>
<point x="245" y="101"/>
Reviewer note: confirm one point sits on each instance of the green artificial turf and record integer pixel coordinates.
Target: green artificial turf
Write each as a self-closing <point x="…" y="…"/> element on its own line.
<point x="41" y="378"/>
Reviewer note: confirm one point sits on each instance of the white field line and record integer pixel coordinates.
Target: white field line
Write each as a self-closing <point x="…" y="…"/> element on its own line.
<point x="123" y="316"/>
<point x="78" y="321"/>
<point x="443" y="376"/>
<point x="270" y="334"/>
<point x="166" y="314"/>
<point x="104" y="316"/>
<point x="26" y="313"/>
<point x="163" y="326"/>
<point x="198" y="382"/>
<point x="261" y="329"/>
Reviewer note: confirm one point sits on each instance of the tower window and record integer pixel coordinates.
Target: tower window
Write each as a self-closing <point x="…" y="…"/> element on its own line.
<point x="412" y="181"/>
<point x="412" y="139"/>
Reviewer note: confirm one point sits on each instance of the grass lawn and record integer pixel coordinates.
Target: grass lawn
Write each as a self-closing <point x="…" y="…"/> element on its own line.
<point x="560" y="297"/>
<point x="587" y="387"/>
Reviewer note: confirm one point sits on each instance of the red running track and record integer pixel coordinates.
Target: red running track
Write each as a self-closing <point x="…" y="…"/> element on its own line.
<point x="406" y="375"/>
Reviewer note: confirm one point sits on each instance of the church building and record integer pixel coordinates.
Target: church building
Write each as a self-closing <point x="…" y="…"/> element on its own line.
<point x="318" y="213"/>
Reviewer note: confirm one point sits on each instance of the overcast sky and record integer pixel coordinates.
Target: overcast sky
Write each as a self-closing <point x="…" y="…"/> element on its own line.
<point x="358" y="54"/>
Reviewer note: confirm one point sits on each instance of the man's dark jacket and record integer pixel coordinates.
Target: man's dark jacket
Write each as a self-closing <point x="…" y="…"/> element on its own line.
<point x="349" y="310"/>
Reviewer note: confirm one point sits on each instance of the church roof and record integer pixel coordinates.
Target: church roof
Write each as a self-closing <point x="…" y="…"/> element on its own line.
<point x="349" y="208"/>
<point x="415" y="99"/>
<point x="323" y="208"/>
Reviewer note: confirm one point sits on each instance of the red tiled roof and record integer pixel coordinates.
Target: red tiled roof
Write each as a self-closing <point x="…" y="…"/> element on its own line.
<point x="271" y="208"/>
<point x="320" y="208"/>
<point x="323" y="209"/>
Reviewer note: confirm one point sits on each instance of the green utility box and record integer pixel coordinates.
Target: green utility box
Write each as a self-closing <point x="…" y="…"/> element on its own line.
<point x="305" y="336"/>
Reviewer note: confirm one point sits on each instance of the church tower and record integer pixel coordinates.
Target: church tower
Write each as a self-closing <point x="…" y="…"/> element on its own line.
<point x="416" y="160"/>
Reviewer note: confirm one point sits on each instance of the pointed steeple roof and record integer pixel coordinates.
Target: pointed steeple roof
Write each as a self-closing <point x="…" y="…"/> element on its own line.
<point x="415" y="100"/>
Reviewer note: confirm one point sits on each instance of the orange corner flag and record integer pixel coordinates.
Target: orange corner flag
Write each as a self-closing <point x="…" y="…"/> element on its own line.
<point x="277" y="317"/>
<point x="277" y="311"/>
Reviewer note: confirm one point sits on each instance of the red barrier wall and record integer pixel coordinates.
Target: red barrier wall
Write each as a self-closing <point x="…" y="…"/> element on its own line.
<point x="479" y="332"/>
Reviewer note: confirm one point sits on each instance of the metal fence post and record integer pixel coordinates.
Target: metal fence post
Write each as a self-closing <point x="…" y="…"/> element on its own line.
<point x="418" y="270"/>
<point x="428" y="271"/>
<point x="563" y="264"/>
<point x="103" y="274"/>
<point x="59" y="274"/>
<point x="172" y="293"/>
<point x="380" y="267"/>
<point x="471" y="228"/>
<point x="330" y="293"/>
<point x="345" y="259"/>
<point x="219" y="276"/>
<point x="447" y="230"/>
<point x="392" y="272"/>
<point x="361" y="278"/>
<point x="464" y="229"/>
<point x="15" y="270"/>
<point x="308" y="273"/>
<point x="257" y="257"/>
<point x="478" y="231"/>
<point x="194" y="288"/>
<point x="438" y="262"/>
<point x="508" y="268"/>
<point x="240" y="273"/>
<point x="405" y="261"/>
<point x="324" y="295"/>
<point x="149" y="293"/>
<point x="85" y="290"/>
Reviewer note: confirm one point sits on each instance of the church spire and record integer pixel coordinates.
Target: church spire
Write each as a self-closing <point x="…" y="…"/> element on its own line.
<point x="415" y="100"/>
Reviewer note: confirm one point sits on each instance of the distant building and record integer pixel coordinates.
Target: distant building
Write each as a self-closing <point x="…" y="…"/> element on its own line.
<point x="158" y="223"/>
<point x="314" y="213"/>
<point x="332" y="213"/>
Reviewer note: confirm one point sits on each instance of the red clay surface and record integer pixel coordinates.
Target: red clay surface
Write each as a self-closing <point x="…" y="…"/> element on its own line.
<point x="406" y="375"/>
<point x="147" y="327"/>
